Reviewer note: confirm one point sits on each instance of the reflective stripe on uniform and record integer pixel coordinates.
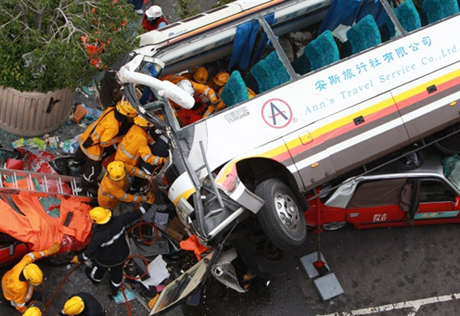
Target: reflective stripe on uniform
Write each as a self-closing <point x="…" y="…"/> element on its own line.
<point x="90" y="175"/>
<point x="29" y="293"/>
<point x="93" y="272"/>
<point x="163" y="137"/>
<point x="32" y="256"/>
<point x="42" y="253"/>
<point x="146" y="157"/>
<point x="116" y="284"/>
<point x="114" y="238"/>
<point x="111" y="142"/>
<point x="127" y="153"/>
<point x="107" y="194"/>
<point x="86" y="152"/>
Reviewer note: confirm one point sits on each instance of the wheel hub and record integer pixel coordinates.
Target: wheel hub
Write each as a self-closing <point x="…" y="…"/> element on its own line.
<point x="287" y="211"/>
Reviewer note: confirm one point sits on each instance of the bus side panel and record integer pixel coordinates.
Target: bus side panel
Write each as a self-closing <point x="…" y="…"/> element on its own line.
<point x="431" y="103"/>
<point x="310" y="155"/>
<point x="363" y="132"/>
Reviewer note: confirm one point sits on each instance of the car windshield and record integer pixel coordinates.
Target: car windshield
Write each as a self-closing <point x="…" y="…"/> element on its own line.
<point x="451" y="168"/>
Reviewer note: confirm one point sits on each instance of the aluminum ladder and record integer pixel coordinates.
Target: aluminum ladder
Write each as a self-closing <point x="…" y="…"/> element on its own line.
<point x="46" y="182"/>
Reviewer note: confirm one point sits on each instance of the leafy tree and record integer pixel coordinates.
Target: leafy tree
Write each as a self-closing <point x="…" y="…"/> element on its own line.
<point x="42" y="47"/>
<point x="187" y="8"/>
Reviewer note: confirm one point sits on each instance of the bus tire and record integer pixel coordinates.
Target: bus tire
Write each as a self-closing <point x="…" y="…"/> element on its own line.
<point x="280" y="217"/>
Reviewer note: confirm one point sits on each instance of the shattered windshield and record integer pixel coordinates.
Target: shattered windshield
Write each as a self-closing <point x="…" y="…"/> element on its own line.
<point x="451" y="168"/>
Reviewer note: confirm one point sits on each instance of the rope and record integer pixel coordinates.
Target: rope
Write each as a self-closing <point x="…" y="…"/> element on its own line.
<point x="47" y="306"/>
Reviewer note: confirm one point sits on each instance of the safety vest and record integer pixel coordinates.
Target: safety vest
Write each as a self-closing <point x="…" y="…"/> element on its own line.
<point x="135" y="146"/>
<point x="102" y="133"/>
<point x="111" y="193"/>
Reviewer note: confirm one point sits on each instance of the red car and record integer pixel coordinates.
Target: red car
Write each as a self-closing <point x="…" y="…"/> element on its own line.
<point x="12" y="249"/>
<point x="393" y="196"/>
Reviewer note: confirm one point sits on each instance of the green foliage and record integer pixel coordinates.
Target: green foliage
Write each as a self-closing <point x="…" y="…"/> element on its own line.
<point x="41" y="46"/>
<point x="187" y="8"/>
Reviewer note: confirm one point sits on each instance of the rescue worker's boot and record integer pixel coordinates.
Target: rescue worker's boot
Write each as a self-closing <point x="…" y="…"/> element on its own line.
<point x="114" y="289"/>
<point x="88" y="275"/>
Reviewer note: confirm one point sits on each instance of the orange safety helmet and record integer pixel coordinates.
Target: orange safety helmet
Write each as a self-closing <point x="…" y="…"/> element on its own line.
<point x="221" y="78"/>
<point x="200" y="75"/>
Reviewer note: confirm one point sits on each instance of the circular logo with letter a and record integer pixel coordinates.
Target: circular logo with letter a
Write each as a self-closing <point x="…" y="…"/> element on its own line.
<point x="276" y="113"/>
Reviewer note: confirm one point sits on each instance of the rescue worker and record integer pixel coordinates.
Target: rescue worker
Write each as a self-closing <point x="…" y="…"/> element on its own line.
<point x="135" y="146"/>
<point x="108" y="247"/>
<point x="99" y="139"/>
<point x="197" y="74"/>
<point x="153" y="19"/>
<point x="19" y="282"/>
<point x="83" y="304"/>
<point x="204" y="96"/>
<point x="114" y="185"/>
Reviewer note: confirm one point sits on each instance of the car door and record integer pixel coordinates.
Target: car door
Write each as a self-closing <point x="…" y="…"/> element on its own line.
<point x="437" y="202"/>
<point x="379" y="203"/>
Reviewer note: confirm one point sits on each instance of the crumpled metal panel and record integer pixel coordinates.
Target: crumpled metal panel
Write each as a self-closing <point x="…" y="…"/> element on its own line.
<point x="34" y="113"/>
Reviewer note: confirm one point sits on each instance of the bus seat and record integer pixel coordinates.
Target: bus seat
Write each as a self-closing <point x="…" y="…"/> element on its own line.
<point x="408" y="16"/>
<point x="364" y="34"/>
<point x="439" y="9"/>
<point x="322" y="51"/>
<point x="235" y="90"/>
<point x="277" y="68"/>
<point x="301" y="65"/>
<point x="263" y="76"/>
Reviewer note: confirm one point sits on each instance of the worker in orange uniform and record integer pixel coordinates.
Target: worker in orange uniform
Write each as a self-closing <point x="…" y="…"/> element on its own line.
<point x="204" y="96"/>
<point x="114" y="185"/>
<point x="99" y="139"/>
<point x="198" y="74"/>
<point x="135" y="146"/>
<point x="108" y="248"/>
<point x="19" y="282"/>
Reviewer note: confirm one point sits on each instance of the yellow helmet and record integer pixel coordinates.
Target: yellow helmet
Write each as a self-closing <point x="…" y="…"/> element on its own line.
<point x="74" y="306"/>
<point x="33" y="274"/>
<point x="200" y="74"/>
<point x="116" y="170"/>
<point x="221" y="78"/>
<point x="125" y="108"/>
<point x="32" y="311"/>
<point x="142" y="122"/>
<point x="100" y="215"/>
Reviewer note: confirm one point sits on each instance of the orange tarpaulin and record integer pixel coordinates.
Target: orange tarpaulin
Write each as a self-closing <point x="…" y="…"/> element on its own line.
<point x="36" y="226"/>
<point x="192" y="243"/>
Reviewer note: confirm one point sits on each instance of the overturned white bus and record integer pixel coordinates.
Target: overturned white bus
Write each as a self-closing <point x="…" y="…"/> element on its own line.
<point x="336" y="88"/>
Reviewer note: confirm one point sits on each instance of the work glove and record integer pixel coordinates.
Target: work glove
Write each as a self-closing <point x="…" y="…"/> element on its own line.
<point x="54" y="248"/>
<point x="150" y="198"/>
<point x="75" y="260"/>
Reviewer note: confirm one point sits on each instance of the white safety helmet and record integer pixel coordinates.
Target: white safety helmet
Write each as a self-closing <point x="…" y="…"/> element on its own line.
<point x="187" y="86"/>
<point x="154" y="12"/>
